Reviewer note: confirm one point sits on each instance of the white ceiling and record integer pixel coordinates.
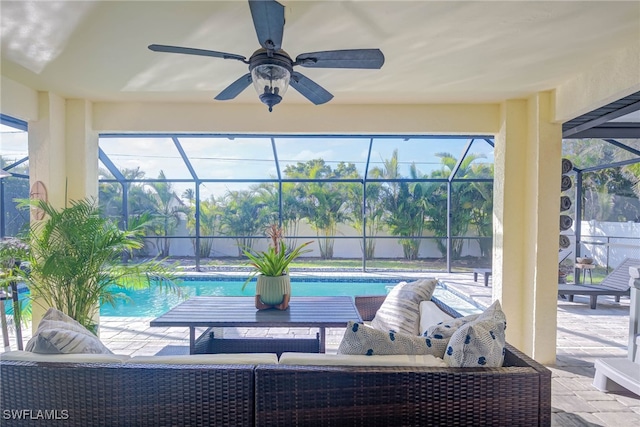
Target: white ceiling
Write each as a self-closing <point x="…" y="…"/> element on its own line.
<point x="436" y="52"/>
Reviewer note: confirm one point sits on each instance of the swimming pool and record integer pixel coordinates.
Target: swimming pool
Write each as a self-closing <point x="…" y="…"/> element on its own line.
<point x="152" y="302"/>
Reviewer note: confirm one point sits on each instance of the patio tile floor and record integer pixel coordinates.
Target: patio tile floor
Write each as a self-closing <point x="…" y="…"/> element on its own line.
<point x="583" y="335"/>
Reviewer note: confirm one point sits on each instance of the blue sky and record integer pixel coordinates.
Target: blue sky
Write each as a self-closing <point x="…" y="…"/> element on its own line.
<point x="252" y="157"/>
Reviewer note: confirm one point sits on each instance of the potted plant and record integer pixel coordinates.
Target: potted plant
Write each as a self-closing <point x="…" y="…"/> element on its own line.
<point x="75" y="261"/>
<point x="273" y="287"/>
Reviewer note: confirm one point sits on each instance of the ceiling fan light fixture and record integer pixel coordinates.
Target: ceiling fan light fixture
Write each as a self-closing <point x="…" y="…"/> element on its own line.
<point x="271" y="82"/>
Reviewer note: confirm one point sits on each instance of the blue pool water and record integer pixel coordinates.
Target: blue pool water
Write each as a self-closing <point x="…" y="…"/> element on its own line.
<point x="152" y="302"/>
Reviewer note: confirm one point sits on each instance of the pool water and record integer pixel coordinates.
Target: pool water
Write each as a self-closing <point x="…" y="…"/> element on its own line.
<point x="153" y="302"/>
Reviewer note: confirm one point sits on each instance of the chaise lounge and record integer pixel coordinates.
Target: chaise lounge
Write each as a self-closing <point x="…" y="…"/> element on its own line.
<point x="615" y="284"/>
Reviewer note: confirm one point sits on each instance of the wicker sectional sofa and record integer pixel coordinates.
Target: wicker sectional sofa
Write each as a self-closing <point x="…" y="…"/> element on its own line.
<point x="83" y="394"/>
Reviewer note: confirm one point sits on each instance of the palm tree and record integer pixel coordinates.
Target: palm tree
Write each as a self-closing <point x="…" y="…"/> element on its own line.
<point x="167" y="209"/>
<point x="75" y="263"/>
<point x="611" y="194"/>
<point x="292" y="212"/>
<point x="243" y="215"/>
<point x="111" y="195"/>
<point x="15" y="188"/>
<point x="372" y="217"/>
<point x="209" y="221"/>
<point x="405" y="206"/>
<point x="464" y="197"/>
<point x="482" y="209"/>
<point x="324" y="204"/>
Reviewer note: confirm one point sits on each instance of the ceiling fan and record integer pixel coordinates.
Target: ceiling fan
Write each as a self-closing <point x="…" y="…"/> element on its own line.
<point x="271" y="68"/>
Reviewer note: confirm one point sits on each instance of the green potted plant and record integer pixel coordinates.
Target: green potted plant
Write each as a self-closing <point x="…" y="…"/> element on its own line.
<point x="273" y="287"/>
<point x="75" y="261"/>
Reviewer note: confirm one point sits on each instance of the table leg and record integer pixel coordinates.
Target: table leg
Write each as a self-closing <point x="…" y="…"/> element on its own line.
<point x="323" y="338"/>
<point x="475" y="277"/>
<point x="486" y="279"/>
<point x="192" y="339"/>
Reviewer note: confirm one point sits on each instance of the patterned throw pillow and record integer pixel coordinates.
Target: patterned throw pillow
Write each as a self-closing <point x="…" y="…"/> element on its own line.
<point x="58" y="333"/>
<point x="400" y="311"/>
<point x="365" y="340"/>
<point x="479" y="343"/>
<point x="439" y="335"/>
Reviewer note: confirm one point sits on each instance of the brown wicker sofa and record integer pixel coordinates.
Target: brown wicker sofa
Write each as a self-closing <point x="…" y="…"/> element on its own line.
<point x="519" y="393"/>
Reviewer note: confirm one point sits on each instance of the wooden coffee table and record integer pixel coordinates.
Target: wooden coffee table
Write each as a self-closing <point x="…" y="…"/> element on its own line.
<point x="227" y="312"/>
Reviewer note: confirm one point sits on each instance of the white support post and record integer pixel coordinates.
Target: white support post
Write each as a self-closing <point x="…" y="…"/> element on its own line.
<point x="634" y="314"/>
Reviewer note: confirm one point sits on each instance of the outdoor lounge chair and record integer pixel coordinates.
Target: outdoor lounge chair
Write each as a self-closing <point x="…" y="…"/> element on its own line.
<point x="615" y="284"/>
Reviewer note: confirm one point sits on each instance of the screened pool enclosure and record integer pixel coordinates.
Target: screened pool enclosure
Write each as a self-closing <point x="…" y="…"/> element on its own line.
<point x="370" y="202"/>
<point x="372" y="199"/>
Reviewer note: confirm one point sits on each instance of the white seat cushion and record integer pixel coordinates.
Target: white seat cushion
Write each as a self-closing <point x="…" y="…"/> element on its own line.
<point x="320" y="359"/>
<point x="27" y="356"/>
<point x="209" y="359"/>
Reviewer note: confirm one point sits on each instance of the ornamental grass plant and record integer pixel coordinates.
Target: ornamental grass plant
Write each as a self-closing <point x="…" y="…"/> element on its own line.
<point x="276" y="259"/>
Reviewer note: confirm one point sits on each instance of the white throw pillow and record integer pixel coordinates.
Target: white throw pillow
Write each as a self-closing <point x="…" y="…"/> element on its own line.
<point x="365" y="340"/>
<point x="58" y="333"/>
<point x="479" y="343"/>
<point x="400" y="311"/>
<point x="430" y="315"/>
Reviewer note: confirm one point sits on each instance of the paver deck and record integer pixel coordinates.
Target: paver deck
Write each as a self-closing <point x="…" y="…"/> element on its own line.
<point x="583" y="335"/>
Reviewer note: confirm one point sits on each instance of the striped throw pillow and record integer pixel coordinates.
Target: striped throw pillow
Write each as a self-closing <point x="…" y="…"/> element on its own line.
<point x="400" y="311"/>
<point x="58" y="333"/>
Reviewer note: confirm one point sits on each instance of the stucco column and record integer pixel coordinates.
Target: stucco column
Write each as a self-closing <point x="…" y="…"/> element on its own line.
<point x="81" y="151"/>
<point x="47" y="162"/>
<point x="62" y="155"/>
<point x="527" y="173"/>
<point x="47" y="147"/>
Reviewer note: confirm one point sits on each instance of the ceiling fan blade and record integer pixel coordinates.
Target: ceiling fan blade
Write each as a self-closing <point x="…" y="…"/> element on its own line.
<point x="309" y="89"/>
<point x="235" y="88"/>
<point x="350" y="58"/>
<point x="191" y="51"/>
<point x="268" y="19"/>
